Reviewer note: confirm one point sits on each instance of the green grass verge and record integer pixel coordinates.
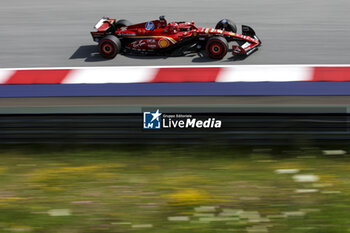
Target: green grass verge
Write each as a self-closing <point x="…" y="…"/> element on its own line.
<point x="172" y="189"/>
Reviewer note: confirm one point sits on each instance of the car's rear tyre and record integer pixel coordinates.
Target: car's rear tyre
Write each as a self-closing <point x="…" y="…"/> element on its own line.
<point x="109" y="47"/>
<point x="217" y="47"/>
<point x="122" y="23"/>
<point x="226" y="25"/>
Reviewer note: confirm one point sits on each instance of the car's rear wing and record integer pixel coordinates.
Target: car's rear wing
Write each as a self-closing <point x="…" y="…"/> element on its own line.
<point x="104" y="24"/>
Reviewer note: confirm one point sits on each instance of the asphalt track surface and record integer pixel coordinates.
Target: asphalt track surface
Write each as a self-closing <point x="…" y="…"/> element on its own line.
<point x="55" y="33"/>
<point x="219" y="101"/>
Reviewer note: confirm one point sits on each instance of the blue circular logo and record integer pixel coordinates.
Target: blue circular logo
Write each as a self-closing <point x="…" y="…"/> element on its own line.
<point x="149" y="26"/>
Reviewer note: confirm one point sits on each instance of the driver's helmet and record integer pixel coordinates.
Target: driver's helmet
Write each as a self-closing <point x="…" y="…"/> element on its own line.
<point x="173" y="27"/>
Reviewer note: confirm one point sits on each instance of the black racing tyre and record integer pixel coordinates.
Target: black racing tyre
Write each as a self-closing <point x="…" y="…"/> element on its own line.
<point x="217" y="47"/>
<point x="109" y="46"/>
<point x="226" y="25"/>
<point x="122" y="23"/>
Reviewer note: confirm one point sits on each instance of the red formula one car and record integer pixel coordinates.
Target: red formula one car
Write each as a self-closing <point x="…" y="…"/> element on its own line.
<point x="172" y="39"/>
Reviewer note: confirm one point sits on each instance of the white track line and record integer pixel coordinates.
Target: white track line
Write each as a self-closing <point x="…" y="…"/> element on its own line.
<point x="111" y="75"/>
<point x="265" y="74"/>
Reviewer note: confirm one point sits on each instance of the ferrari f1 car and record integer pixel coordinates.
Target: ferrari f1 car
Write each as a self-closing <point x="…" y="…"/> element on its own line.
<point x="173" y="39"/>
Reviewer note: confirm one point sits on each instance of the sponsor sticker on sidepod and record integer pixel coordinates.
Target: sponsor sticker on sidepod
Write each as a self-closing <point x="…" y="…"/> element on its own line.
<point x="149" y="26"/>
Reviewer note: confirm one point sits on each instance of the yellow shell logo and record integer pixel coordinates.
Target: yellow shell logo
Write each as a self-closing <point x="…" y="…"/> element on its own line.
<point x="163" y="43"/>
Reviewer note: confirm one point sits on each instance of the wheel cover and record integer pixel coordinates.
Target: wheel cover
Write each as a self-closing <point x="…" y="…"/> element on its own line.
<point x="216" y="48"/>
<point x="107" y="48"/>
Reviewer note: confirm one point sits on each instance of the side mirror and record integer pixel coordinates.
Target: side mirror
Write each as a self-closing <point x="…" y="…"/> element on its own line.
<point x="162" y="17"/>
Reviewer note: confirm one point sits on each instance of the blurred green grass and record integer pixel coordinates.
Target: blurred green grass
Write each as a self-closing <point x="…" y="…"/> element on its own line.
<point x="172" y="189"/>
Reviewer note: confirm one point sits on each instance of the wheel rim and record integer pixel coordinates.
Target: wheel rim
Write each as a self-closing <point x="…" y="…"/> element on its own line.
<point x="216" y="49"/>
<point x="107" y="48"/>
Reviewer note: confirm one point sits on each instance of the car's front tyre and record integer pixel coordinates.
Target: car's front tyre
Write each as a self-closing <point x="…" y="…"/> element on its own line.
<point x="109" y="47"/>
<point x="226" y="25"/>
<point x="217" y="47"/>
